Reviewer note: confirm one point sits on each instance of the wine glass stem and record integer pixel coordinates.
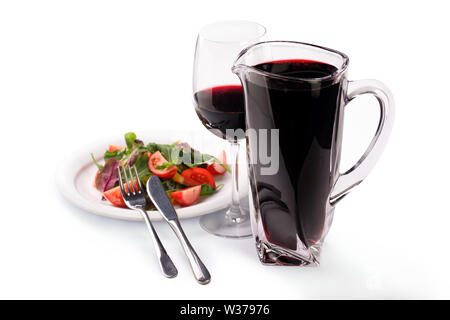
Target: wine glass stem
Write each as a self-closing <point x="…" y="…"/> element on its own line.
<point x="235" y="211"/>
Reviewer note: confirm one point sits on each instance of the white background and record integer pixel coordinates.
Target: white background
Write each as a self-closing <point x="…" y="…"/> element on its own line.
<point x="74" y="71"/>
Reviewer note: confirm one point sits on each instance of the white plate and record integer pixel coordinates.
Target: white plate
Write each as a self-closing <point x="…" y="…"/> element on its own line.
<point x="75" y="175"/>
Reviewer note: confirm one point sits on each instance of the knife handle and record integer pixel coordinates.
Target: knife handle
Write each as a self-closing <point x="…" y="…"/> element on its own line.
<point x="198" y="268"/>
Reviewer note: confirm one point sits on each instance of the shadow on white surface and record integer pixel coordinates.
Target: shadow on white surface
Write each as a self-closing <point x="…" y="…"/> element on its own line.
<point x="236" y="271"/>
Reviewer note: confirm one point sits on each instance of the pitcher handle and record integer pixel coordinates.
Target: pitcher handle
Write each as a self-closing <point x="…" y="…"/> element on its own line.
<point x="355" y="175"/>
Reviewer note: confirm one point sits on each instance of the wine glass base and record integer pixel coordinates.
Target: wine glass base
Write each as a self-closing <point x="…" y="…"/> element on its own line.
<point x="221" y="225"/>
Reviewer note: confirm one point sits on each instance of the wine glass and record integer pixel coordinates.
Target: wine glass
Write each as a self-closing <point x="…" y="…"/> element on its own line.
<point x="219" y="103"/>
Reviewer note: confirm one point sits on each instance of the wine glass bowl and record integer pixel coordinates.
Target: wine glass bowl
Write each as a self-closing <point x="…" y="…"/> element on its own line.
<point x="219" y="103"/>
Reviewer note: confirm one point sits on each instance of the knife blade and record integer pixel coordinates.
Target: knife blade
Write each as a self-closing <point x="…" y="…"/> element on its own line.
<point x="160" y="199"/>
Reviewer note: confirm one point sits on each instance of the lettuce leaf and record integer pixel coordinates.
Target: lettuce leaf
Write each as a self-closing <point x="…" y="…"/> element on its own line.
<point x="117" y="154"/>
<point x="133" y="157"/>
<point x="99" y="166"/>
<point x="108" y="177"/>
<point x="208" y="190"/>
<point x="181" y="152"/>
<point x="129" y="139"/>
<point x="141" y="165"/>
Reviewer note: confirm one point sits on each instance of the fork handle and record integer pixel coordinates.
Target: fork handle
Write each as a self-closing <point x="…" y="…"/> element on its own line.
<point x="200" y="271"/>
<point x="167" y="266"/>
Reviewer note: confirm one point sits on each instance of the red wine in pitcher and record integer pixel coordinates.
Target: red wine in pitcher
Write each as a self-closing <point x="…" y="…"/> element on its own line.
<point x="303" y="104"/>
<point x="221" y="108"/>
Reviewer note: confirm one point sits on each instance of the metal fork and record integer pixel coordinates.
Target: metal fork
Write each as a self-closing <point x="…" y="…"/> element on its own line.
<point x="134" y="197"/>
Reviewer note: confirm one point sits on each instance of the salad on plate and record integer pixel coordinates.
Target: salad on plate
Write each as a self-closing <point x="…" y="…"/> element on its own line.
<point x="186" y="174"/>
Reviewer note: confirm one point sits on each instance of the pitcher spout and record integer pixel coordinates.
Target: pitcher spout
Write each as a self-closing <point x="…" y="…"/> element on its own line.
<point x="246" y="59"/>
<point x="238" y="70"/>
<point x="239" y="65"/>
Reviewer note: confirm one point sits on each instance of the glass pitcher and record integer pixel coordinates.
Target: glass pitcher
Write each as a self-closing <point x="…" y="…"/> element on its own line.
<point x="295" y="96"/>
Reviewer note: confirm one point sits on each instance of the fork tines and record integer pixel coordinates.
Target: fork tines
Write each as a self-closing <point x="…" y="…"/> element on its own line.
<point x="134" y="186"/>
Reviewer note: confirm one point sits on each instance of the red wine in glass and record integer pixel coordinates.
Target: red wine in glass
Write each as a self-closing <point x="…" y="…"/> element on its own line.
<point x="221" y="108"/>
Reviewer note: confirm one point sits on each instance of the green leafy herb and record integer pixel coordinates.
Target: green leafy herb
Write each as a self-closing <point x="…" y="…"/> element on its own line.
<point x="108" y="155"/>
<point x="99" y="166"/>
<point x="117" y="154"/>
<point x="142" y="149"/>
<point x="207" y="190"/>
<point x="166" y="151"/>
<point x="141" y="165"/>
<point x="170" y="185"/>
<point x="171" y="152"/>
<point x="206" y="159"/>
<point x="226" y="167"/>
<point x="166" y="165"/>
<point x="129" y="139"/>
<point x="176" y="154"/>
<point x="152" y="147"/>
<point x="215" y="160"/>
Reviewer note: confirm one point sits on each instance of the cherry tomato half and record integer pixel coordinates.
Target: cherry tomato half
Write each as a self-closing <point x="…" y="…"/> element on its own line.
<point x="113" y="148"/>
<point x="215" y="168"/>
<point x="114" y="195"/>
<point x="187" y="197"/>
<point x="157" y="160"/>
<point x="197" y="176"/>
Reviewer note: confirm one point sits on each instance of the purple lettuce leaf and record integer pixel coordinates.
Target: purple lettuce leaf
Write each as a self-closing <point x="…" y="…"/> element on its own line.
<point x="135" y="153"/>
<point x="108" y="177"/>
